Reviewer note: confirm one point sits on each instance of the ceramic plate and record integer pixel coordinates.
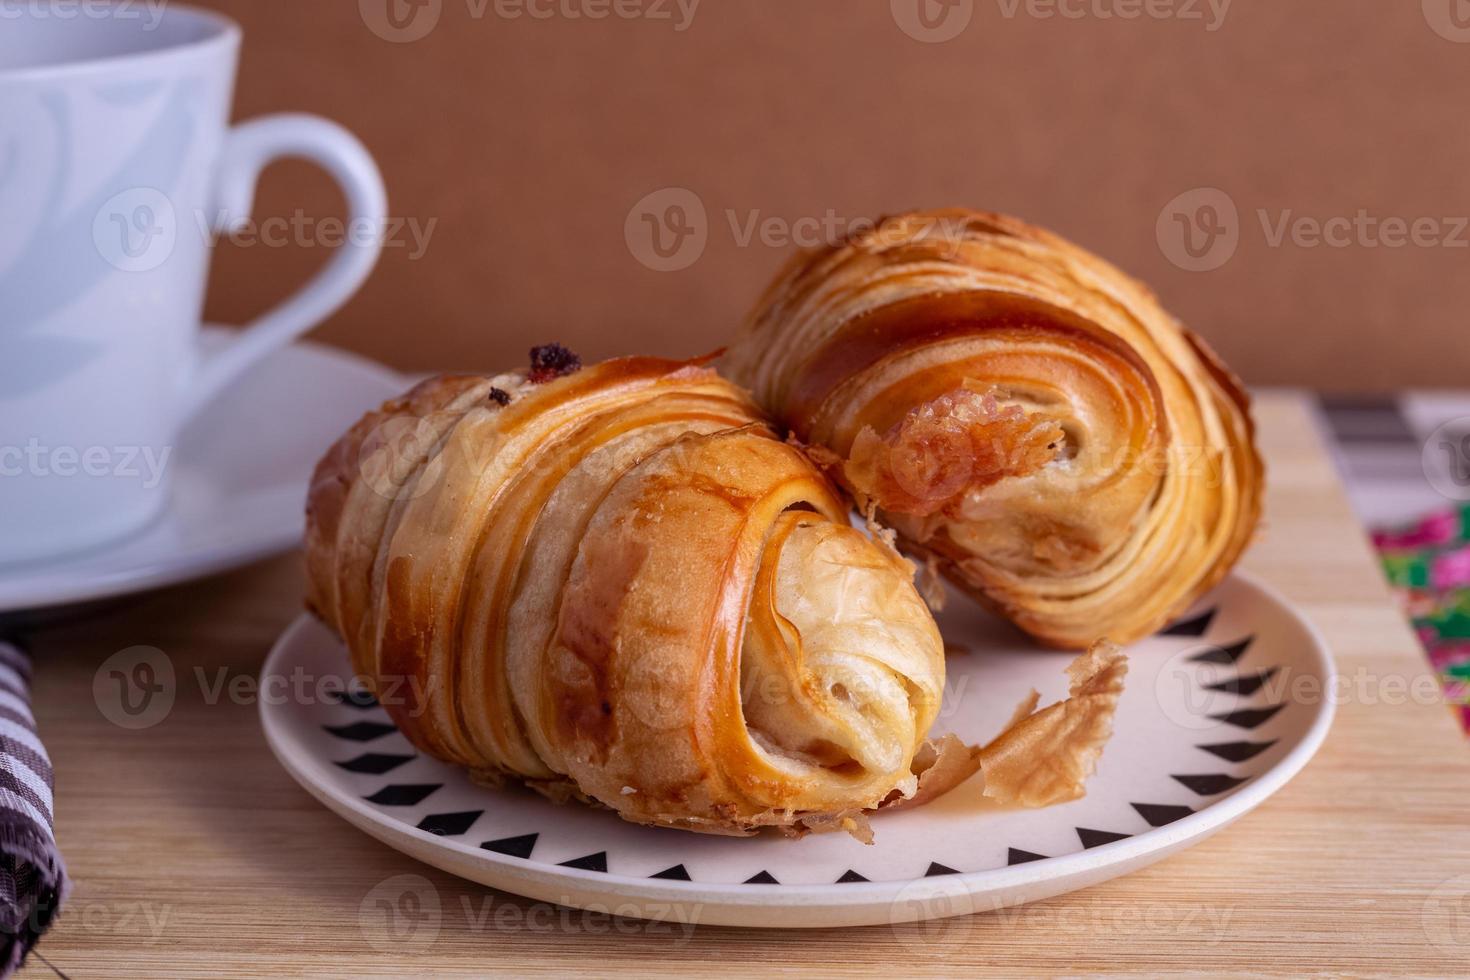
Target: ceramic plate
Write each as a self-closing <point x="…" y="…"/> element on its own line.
<point x="1220" y="710"/>
<point x="239" y="479"/>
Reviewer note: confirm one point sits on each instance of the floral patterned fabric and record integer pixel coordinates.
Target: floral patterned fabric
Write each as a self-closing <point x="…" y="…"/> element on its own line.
<point x="1429" y="565"/>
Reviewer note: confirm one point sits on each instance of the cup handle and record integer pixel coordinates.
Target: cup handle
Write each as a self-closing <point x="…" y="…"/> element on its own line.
<point x="248" y="148"/>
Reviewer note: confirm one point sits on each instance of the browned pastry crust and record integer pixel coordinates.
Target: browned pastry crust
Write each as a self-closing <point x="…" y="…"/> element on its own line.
<point x="1021" y="412"/>
<point x="618" y="585"/>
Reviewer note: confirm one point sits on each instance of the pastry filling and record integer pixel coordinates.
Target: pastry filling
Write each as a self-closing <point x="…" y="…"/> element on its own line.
<point x="841" y="668"/>
<point x="948" y="448"/>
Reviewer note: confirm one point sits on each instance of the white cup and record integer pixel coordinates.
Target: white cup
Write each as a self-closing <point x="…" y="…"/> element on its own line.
<point x="117" y="167"/>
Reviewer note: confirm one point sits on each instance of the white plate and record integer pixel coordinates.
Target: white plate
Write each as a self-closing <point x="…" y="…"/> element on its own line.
<point x="239" y="480"/>
<point x="1219" y="712"/>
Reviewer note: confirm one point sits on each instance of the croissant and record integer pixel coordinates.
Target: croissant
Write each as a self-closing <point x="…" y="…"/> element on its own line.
<point x="618" y="584"/>
<point x="1026" y="417"/>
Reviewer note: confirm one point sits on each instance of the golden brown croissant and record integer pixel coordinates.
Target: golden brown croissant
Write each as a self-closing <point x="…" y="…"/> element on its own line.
<point x="1026" y="416"/>
<point x="617" y="584"/>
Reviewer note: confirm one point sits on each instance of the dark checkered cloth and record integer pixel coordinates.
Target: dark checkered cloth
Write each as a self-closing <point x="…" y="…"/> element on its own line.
<point x="32" y="877"/>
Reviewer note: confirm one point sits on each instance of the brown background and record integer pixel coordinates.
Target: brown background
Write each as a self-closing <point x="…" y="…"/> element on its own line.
<point x="528" y="142"/>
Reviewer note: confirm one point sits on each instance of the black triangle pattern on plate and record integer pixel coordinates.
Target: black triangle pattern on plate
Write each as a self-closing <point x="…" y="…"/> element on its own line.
<point x="1096" y="838"/>
<point x="1244" y="685"/>
<point x="360" y="731"/>
<point x="1015" y="855"/>
<point x="449" y="824"/>
<point x="402" y="794"/>
<point x="354" y="699"/>
<point x="588" y="862"/>
<point x="1158" y="814"/>
<point x="519" y="847"/>
<point x="374" y="763"/>
<point x="1190" y="627"/>
<point x="1209" y="784"/>
<point x="1224" y="655"/>
<point x="1237" y="751"/>
<point x="1249" y="717"/>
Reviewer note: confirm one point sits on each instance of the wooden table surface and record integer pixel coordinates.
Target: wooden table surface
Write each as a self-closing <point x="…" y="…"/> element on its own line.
<point x="194" y="854"/>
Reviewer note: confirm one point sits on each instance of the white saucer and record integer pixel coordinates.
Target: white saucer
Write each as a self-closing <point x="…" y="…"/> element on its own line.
<point x="240" y="475"/>
<point x="1218" y="713"/>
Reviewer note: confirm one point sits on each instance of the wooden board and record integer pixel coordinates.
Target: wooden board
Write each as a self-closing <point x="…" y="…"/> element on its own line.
<point x="194" y="854"/>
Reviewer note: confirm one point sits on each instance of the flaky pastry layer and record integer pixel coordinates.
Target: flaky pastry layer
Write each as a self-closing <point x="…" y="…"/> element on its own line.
<point x="1026" y="417"/>
<point x="618" y="585"/>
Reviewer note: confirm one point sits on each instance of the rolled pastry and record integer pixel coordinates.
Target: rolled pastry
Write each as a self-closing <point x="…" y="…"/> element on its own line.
<point x="615" y="583"/>
<point x="1027" y="417"/>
